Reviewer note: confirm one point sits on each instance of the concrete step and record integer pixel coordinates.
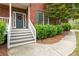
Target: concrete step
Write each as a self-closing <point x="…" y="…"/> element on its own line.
<point x="21" y="40"/>
<point x="22" y="34"/>
<point x="15" y="32"/>
<point x="20" y="37"/>
<point x="22" y="43"/>
<point x="20" y="30"/>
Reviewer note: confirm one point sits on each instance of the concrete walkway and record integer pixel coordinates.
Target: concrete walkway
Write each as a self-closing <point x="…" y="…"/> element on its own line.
<point x="62" y="48"/>
<point x="75" y="30"/>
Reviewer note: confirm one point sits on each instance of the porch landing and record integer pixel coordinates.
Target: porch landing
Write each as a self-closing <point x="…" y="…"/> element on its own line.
<point x="63" y="48"/>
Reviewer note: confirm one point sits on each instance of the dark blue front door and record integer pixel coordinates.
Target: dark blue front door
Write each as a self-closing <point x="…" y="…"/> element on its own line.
<point x="19" y="20"/>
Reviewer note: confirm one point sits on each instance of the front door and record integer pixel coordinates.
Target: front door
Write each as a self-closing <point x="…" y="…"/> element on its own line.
<point x="19" y="20"/>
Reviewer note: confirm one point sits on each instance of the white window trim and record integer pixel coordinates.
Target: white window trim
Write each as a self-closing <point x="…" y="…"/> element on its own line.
<point x="43" y="18"/>
<point x="48" y="21"/>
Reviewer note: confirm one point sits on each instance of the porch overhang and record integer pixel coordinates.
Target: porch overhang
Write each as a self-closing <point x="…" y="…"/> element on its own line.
<point x="5" y="4"/>
<point x="20" y="5"/>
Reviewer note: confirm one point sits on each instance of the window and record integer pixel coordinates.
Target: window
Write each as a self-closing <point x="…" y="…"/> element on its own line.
<point x="39" y="17"/>
<point x="46" y="20"/>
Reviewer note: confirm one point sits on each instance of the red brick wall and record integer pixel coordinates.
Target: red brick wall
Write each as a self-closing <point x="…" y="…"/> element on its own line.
<point x="4" y="10"/>
<point x="33" y="8"/>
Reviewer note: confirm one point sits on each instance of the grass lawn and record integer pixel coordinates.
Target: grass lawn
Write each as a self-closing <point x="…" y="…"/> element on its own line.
<point x="77" y="45"/>
<point x="76" y="52"/>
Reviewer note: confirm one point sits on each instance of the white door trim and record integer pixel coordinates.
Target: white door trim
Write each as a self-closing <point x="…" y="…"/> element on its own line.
<point x="14" y="20"/>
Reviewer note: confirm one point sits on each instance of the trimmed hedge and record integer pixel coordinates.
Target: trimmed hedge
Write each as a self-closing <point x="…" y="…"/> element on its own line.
<point x="40" y="31"/>
<point x="2" y="31"/>
<point x="47" y="31"/>
<point x="50" y="30"/>
<point x="59" y="29"/>
<point x="66" y="26"/>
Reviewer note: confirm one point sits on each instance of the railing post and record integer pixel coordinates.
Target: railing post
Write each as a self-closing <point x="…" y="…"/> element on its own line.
<point x="28" y="14"/>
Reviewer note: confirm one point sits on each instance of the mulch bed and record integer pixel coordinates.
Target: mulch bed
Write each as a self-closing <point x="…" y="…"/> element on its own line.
<point x="54" y="39"/>
<point x="3" y="50"/>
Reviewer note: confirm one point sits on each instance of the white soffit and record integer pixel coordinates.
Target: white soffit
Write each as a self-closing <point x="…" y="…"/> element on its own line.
<point x="20" y="5"/>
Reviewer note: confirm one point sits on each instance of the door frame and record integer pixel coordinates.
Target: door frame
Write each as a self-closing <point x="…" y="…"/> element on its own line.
<point x="14" y="19"/>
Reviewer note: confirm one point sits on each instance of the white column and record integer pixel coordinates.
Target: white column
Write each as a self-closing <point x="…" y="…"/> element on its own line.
<point x="9" y="25"/>
<point x="10" y="16"/>
<point x="28" y="15"/>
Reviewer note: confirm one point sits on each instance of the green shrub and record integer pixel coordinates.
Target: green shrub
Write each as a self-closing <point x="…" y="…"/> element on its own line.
<point x="53" y="30"/>
<point x="75" y="25"/>
<point x="45" y="31"/>
<point x="50" y="30"/>
<point x="59" y="29"/>
<point x="39" y="31"/>
<point x="66" y="26"/>
<point x="2" y="31"/>
<point x="76" y="22"/>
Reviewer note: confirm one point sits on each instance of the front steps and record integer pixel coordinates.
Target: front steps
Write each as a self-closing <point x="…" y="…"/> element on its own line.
<point x="20" y="37"/>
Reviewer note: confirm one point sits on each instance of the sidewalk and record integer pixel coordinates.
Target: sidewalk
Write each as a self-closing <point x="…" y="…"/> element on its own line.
<point x="62" y="48"/>
<point x="75" y="30"/>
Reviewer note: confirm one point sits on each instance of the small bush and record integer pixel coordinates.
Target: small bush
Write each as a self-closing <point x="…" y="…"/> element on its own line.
<point x="2" y="31"/>
<point x="59" y="29"/>
<point x="75" y="25"/>
<point x="76" y="22"/>
<point x="50" y="30"/>
<point x="66" y="26"/>
<point x="39" y="31"/>
<point x="45" y="31"/>
<point x="54" y="30"/>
